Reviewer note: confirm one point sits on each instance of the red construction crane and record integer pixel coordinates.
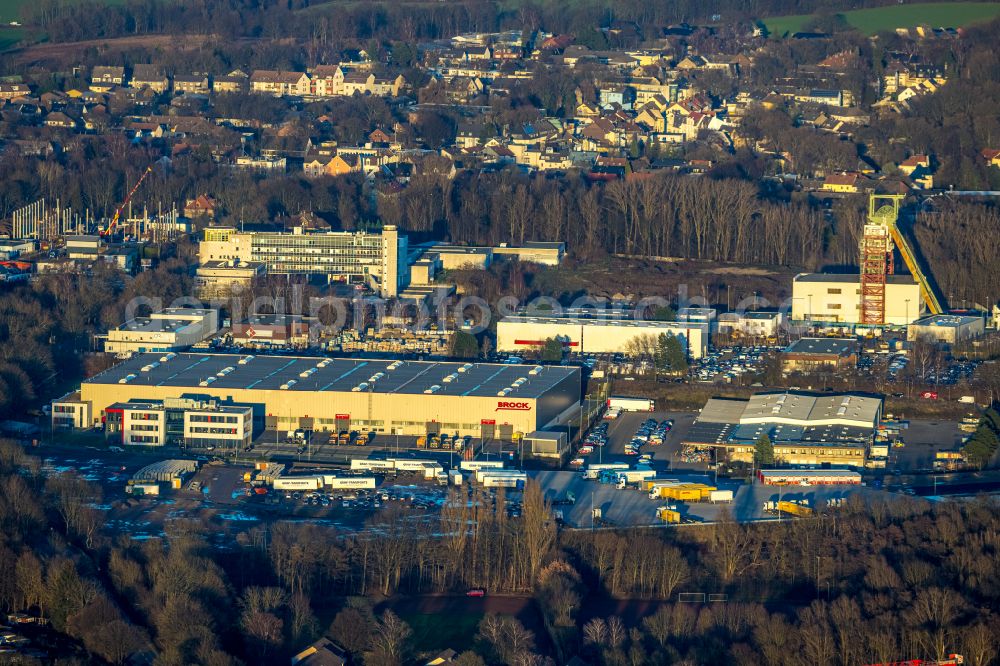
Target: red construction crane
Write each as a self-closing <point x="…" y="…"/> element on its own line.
<point x="107" y="231"/>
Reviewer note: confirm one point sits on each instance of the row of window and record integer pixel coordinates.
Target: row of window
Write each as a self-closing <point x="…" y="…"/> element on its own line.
<point x="215" y="431"/>
<point x="213" y="418"/>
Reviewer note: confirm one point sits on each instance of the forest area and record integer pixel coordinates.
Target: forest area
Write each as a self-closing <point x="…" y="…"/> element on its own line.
<point x="72" y="21"/>
<point x="875" y="582"/>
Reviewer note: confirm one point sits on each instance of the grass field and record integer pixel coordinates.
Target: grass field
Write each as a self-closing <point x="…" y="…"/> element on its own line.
<point x="10" y="10"/>
<point x="870" y="21"/>
<point x="10" y="36"/>
<point x="435" y="632"/>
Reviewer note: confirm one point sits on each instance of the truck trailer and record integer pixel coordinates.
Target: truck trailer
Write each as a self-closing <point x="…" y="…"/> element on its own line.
<point x="298" y="483"/>
<point x="372" y="464"/>
<point x="505" y="481"/>
<point x="471" y="465"/>
<point x="684" y="492"/>
<point x="630" y="404"/>
<point x="594" y="471"/>
<point x="349" y="482"/>
<point x="636" y="475"/>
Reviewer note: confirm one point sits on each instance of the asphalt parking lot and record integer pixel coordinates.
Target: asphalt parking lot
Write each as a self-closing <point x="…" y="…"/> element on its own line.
<point x="620" y="431"/>
<point x="923" y="439"/>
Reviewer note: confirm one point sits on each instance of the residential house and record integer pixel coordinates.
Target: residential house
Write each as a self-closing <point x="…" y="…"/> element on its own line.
<point x="149" y="76"/>
<point x="992" y="156"/>
<point x="9" y="91"/>
<point x="587" y="110"/>
<point x="321" y="653"/>
<point x="234" y="82"/>
<point x="327" y="81"/>
<point x="191" y="83"/>
<point x="358" y="83"/>
<point x="60" y="120"/>
<point x="622" y="96"/>
<point x="103" y="79"/>
<point x="844" y="183"/>
<point x="918" y="169"/>
<point x="818" y="96"/>
<point x="387" y="86"/>
<point x="261" y="164"/>
<point x="279" y="83"/>
<point x="201" y="206"/>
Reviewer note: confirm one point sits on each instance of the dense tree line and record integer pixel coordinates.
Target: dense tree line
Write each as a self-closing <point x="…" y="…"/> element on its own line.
<point x="873" y="581"/>
<point x="333" y="21"/>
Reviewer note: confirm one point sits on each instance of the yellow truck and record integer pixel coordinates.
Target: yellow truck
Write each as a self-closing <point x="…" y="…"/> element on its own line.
<point x="422" y="442"/>
<point x="361" y="439"/>
<point x="794" y="508"/>
<point x="668" y="515"/>
<point x="682" y="492"/>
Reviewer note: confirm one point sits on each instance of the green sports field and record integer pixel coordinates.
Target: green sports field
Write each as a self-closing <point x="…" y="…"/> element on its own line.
<point x="870" y="21"/>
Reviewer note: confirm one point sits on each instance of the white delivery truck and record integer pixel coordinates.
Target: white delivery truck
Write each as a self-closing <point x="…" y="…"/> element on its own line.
<point x="626" y="404"/>
<point x="469" y="465"/>
<point x="432" y="470"/>
<point x="349" y="482"/>
<point x="298" y="483"/>
<point x="594" y="471"/>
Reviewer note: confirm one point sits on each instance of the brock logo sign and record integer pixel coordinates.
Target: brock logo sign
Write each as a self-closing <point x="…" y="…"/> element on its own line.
<point x="503" y="406"/>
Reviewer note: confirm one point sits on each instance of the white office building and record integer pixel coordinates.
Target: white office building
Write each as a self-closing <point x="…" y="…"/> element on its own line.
<point x="378" y="260"/>
<point x="172" y="329"/>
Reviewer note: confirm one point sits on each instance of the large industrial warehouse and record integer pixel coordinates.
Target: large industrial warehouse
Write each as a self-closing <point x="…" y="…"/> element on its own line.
<point x="805" y="428"/>
<point x="285" y="392"/>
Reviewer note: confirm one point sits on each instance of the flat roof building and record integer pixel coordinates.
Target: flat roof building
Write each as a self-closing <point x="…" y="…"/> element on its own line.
<point x="401" y="397"/>
<point x="949" y="329"/>
<point x="216" y="279"/>
<point x="172" y="329"/>
<point x="600" y="334"/>
<point x="815" y="354"/>
<point x="751" y="324"/>
<point x="836" y="298"/>
<point x="804" y="428"/>
<point x="378" y="260"/>
<point x="263" y="331"/>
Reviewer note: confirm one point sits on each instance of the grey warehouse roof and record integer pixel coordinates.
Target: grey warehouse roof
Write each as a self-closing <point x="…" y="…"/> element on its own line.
<point x="834" y="346"/>
<point x="239" y="371"/>
<point x="849" y="277"/>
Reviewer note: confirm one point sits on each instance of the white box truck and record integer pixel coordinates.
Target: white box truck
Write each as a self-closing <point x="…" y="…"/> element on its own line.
<point x="631" y="404"/>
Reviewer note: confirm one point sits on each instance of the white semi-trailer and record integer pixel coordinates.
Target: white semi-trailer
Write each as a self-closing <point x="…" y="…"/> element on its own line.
<point x="374" y="465"/>
<point x="630" y="404"/>
<point x="594" y="471"/>
<point x="349" y="482"/>
<point x="298" y="483"/>
<point x="469" y="465"/>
